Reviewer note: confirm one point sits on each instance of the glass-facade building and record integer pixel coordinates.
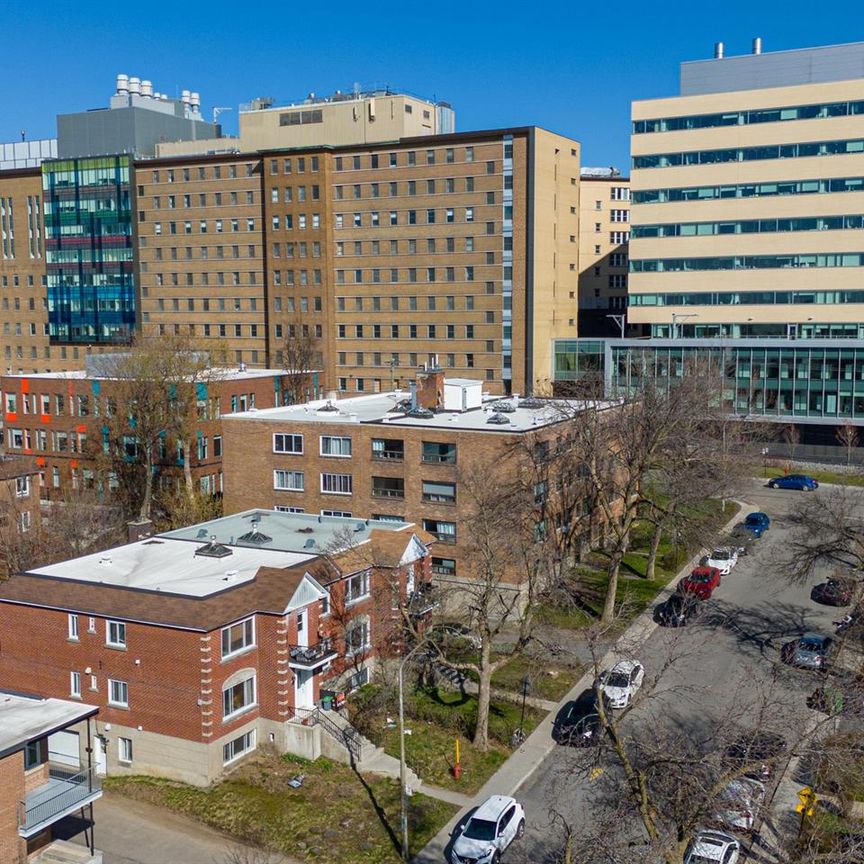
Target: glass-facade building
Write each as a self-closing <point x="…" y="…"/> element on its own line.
<point x="817" y="380"/>
<point x="89" y="249"/>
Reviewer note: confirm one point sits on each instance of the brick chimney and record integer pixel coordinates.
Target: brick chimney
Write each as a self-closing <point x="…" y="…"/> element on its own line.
<point x="430" y="388"/>
<point x="139" y="530"/>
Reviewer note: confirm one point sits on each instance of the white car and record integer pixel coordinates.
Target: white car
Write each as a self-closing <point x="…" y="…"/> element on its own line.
<point x="724" y="559"/>
<point x="622" y="681"/>
<point x="713" y="847"/>
<point x="738" y="804"/>
<point x="493" y="826"/>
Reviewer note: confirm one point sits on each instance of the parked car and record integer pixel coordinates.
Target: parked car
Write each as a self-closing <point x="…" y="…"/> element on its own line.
<point x="757" y="753"/>
<point x="833" y="592"/>
<point x="811" y="651"/>
<point x="713" y="847"/>
<point x="739" y="803"/>
<point x="723" y="558"/>
<point x="622" y="682"/>
<point x="701" y="582"/>
<point x="493" y="826"/>
<point x="756" y="523"/>
<point x="578" y="723"/>
<point x="802" y="482"/>
<point x="678" y="610"/>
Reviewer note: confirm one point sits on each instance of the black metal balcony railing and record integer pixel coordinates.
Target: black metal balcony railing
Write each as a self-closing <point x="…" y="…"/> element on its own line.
<point x="312" y="656"/>
<point x="65" y="791"/>
<point x="423" y="600"/>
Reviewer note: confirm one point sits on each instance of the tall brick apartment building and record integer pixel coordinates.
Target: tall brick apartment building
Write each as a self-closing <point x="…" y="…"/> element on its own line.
<point x="52" y="417"/>
<point x="376" y="457"/>
<point x="198" y="645"/>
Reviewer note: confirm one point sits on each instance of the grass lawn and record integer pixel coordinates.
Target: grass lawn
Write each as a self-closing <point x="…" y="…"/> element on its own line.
<point x="543" y="684"/>
<point x="437" y="717"/>
<point x="333" y="819"/>
<point x="836" y="477"/>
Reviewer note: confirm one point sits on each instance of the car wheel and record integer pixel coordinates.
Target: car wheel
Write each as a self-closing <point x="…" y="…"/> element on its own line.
<point x="772" y="484"/>
<point x="496" y="858"/>
<point x="520" y="829"/>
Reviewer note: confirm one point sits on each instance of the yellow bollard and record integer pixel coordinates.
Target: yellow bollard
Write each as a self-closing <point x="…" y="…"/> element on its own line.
<point x="457" y="767"/>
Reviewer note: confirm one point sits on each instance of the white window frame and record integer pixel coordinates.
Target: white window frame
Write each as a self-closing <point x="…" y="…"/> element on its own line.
<point x="280" y="485"/>
<point x="124" y="750"/>
<point x="338" y="514"/>
<point x="361" y="592"/>
<point x="116" y="686"/>
<point x="72" y="625"/>
<point x="294" y="437"/>
<point x="75" y="684"/>
<point x="25" y="520"/>
<point x="283" y="508"/>
<point x="363" y="622"/>
<point x="249" y="743"/>
<point x="341" y="439"/>
<point x="91" y="624"/>
<point x="248" y="630"/>
<point x="247" y="706"/>
<point x="22" y="486"/>
<point x="345" y="480"/>
<point x="117" y="639"/>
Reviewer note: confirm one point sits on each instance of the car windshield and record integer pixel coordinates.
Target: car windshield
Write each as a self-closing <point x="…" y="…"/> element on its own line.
<point x="480" y="829"/>
<point x="617" y="679"/>
<point x="810" y="645"/>
<point x="700" y="577"/>
<point x="582" y="706"/>
<point x="720" y="555"/>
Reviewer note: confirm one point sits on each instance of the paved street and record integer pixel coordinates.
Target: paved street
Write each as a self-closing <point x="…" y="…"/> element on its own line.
<point x="724" y="667"/>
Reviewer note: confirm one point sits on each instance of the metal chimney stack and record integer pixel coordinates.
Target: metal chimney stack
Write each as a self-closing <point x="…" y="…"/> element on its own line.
<point x="718" y="50"/>
<point x="757" y="45"/>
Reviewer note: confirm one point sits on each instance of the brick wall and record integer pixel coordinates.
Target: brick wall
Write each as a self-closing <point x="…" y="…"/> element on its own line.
<point x="12" y="847"/>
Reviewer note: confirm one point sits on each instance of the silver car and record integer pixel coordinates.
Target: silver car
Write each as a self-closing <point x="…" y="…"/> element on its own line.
<point x="809" y="652"/>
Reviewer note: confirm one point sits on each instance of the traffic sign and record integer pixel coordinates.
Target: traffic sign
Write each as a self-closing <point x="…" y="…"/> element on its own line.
<point x="807" y="797"/>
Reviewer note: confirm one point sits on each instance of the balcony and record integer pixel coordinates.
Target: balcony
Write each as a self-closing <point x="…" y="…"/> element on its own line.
<point x="423" y="601"/>
<point x="64" y="793"/>
<point x="311" y="656"/>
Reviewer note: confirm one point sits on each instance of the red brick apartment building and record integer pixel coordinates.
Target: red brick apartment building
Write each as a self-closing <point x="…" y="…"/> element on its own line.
<point x="19" y="495"/>
<point x="40" y="785"/>
<point x="198" y="645"/>
<point x="52" y="416"/>
<point x="374" y="457"/>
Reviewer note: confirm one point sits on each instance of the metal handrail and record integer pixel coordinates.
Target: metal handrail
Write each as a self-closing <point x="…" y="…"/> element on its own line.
<point x="74" y="788"/>
<point x="346" y="736"/>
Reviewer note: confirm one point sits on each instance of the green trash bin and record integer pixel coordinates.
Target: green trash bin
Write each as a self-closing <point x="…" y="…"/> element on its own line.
<point x="327" y="703"/>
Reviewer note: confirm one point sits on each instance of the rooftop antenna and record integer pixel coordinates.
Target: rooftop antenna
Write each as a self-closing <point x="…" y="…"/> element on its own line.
<point x="220" y="110"/>
<point x="23" y="134"/>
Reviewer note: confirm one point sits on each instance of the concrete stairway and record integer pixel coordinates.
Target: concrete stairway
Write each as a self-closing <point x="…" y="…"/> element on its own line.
<point x="63" y="852"/>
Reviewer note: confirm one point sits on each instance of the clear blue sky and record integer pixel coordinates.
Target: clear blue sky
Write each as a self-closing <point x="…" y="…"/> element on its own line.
<point x="553" y="65"/>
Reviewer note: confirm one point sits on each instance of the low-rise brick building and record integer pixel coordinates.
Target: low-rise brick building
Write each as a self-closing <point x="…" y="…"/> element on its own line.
<point x="19" y="496"/>
<point x="39" y="785"/>
<point x="202" y="643"/>
<point x="59" y="419"/>
<point x="397" y="455"/>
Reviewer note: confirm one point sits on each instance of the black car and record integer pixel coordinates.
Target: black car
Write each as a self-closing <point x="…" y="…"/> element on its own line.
<point x="678" y="610"/>
<point x="578" y="723"/>
<point x="758" y="751"/>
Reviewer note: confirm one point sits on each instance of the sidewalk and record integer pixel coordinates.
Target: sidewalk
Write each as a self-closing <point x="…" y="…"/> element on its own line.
<point x="539" y="744"/>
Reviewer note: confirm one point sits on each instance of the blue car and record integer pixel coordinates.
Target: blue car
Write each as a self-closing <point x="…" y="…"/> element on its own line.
<point x="757" y="524"/>
<point x="794" y="481"/>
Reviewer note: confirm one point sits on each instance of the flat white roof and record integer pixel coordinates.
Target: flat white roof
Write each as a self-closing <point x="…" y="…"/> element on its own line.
<point x="171" y="566"/>
<point x="25" y="718"/>
<point x="218" y="374"/>
<point x="388" y="409"/>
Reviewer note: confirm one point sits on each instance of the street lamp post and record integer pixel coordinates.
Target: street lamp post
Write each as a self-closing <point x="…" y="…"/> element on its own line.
<point x="403" y="797"/>
<point x="680" y="316"/>
<point x="621" y="321"/>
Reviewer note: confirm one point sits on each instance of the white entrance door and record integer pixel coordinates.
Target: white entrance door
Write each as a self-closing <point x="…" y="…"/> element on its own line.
<point x="303" y="628"/>
<point x="303" y="688"/>
<point x="100" y="757"/>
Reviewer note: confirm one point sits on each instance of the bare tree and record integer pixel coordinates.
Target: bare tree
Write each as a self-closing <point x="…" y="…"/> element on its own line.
<point x="301" y="356"/>
<point x="791" y="438"/>
<point x="847" y="436"/>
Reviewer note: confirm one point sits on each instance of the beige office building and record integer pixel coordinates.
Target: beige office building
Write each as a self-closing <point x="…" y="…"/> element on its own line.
<point x="748" y="198"/>
<point x="356" y="117"/>
<point x="604" y="236"/>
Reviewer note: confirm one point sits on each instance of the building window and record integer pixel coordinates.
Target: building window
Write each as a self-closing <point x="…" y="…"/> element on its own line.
<point x="118" y="693"/>
<point x="357" y="587"/>
<point x="115" y="634"/>
<point x="340" y="514"/>
<point x="75" y="684"/>
<point x="236" y="638"/>
<point x="444" y="566"/>
<point x="22" y="487"/>
<point x="336" y="484"/>
<point x="73" y="626"/>
<point x="287" y="443"/>
<point x="124" y="750"/>
<point x="238" y="698"/>
<point x="444" y="531"/>
<point x="388" y="448"/>
<point x="388" y="487"/>
<point x="335" y="446"/>
<point x="238" y="747"/>
<point x="35" y="754"/>
<point x="436" y="452"/>
<point x="290" y="481"/>
<point x="357" y="637"/>
<point x="439" y="493"/>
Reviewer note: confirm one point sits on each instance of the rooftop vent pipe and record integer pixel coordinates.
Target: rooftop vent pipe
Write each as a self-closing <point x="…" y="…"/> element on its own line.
<point x="718" y="50"/>
<point x="757" y="45"/>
